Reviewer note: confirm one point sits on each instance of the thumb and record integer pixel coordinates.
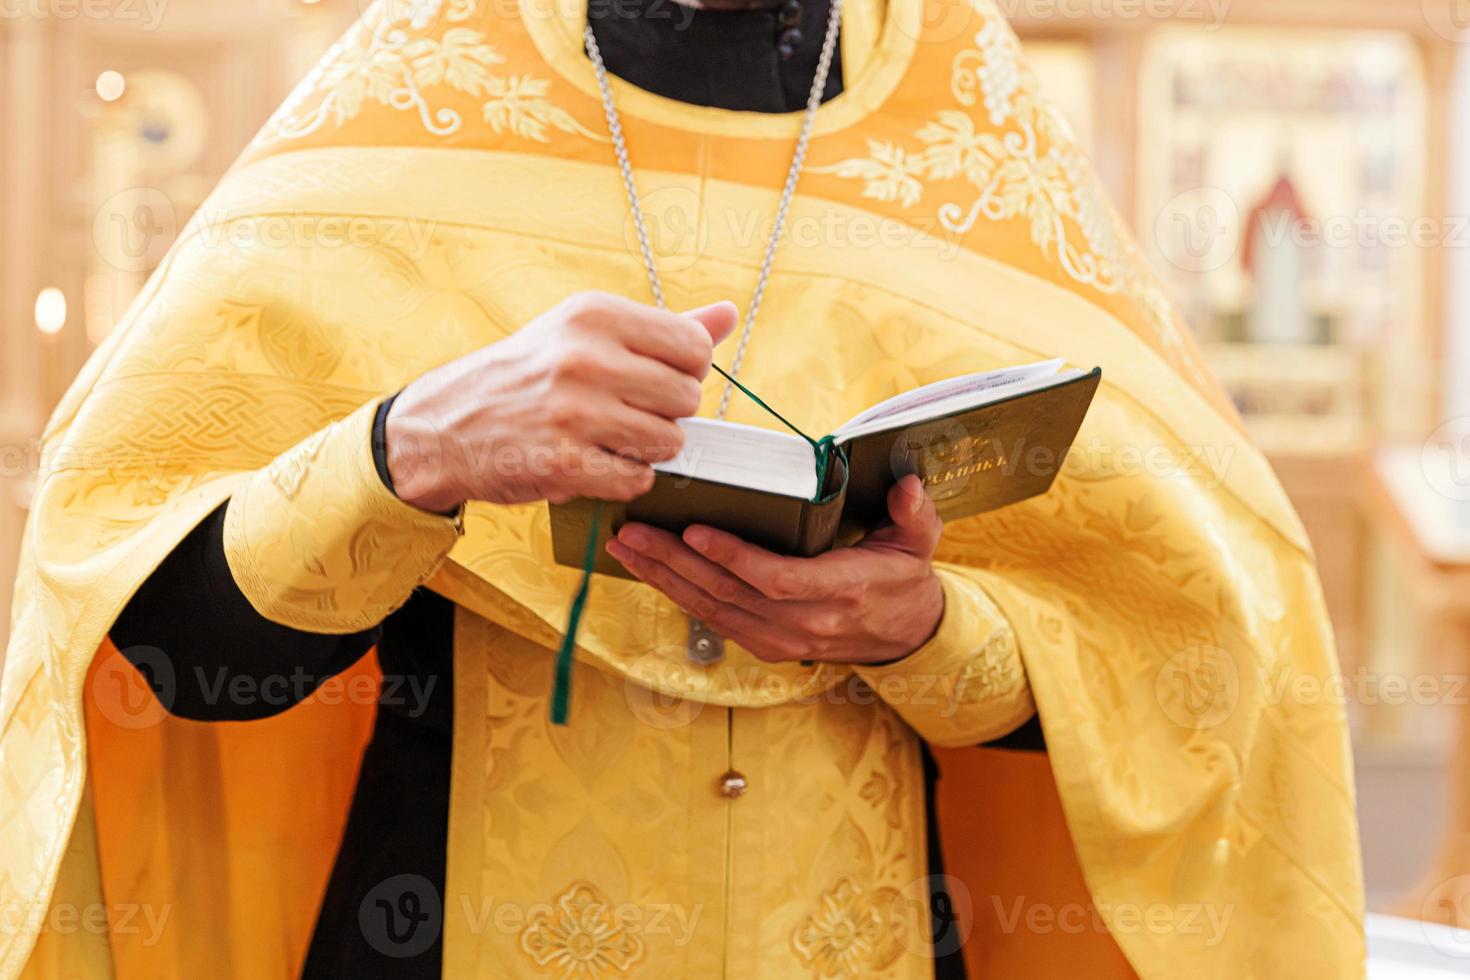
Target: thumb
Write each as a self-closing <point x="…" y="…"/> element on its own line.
<point x="916" y="524"/>
<point x="718" y="318"/>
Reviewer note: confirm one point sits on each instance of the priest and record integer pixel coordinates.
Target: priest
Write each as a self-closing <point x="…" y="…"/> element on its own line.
<point x="286" y="625"/>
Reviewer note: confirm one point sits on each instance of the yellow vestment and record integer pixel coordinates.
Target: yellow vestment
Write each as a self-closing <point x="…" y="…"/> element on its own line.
<point x="440" y="178"/>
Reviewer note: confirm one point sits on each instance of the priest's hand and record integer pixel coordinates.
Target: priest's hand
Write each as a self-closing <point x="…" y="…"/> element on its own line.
<point x="577" y="403"/>
<point x="872" y="603"/>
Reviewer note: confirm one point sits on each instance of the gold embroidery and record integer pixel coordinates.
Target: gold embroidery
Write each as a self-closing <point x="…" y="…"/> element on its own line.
<point x="392" y="57"/>
<point x="1020" y="162"/>
<point x="840" y="938"/>
<point x="520" y="106"/>
<point x="287" y="470"/>
<point x="583" y="939"/>
<point x="889" y="173"/>
<point x="991" y="673"/>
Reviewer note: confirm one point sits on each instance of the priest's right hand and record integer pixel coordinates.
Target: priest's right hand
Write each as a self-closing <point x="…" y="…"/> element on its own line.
<point x="577" y="403"/>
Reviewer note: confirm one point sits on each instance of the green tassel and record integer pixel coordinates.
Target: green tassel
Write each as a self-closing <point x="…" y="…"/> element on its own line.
<point x="823" y="447"/>
<point x="561" y="691"/>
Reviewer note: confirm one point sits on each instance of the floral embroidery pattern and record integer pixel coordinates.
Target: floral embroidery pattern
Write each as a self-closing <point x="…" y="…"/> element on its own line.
<point x="392" y="57"/>
<point x="288" y="470"/>
<point x="841" y="938"/>
<point x="889" y="173"/>
<point x="1015" y="152"/>
<point x="989" y="674"/>
<point x="520" y="107"/>
<point x="582" y="939"/>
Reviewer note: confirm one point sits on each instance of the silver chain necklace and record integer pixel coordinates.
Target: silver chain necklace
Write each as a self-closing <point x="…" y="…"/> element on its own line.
<point x="798" y="158"/>
<point x="704" y="645"/>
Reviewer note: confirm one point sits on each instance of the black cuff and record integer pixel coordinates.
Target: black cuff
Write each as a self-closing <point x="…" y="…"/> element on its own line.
<point x="380" y="442"/>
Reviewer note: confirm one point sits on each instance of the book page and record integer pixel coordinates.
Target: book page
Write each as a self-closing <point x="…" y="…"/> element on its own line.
<point x="963" y="390"/>
<point x="955" y="404"/>
<point x="745" y="456"/>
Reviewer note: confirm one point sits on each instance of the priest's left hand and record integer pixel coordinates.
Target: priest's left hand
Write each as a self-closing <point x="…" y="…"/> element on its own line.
<point x="875" y="602"/>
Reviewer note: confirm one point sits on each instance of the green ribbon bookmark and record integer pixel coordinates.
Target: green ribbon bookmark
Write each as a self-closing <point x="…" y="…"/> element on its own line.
<point x="821" y="448"/>
<point x="561" y="691"/>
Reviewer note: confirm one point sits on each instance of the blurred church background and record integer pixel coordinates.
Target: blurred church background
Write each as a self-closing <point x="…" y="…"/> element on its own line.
<point x="1299" y="171"/>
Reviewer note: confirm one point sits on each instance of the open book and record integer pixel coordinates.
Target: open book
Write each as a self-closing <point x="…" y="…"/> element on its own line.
<point x="979" y="442"/>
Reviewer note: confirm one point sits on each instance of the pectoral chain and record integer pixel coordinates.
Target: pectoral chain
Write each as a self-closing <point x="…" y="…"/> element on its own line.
<point x="705" y="646"/>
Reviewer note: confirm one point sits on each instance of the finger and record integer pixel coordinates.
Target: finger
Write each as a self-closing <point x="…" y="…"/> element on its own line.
<point x="685" y="562"/>
<point x="652" y="386"/>
<point x="680" y="341"/>
<point x="633" y="434"/>
<point x="916" y="526"/>
<point x="773" y="576"/>
<point x="732" y="622"/>
<point x="720" y="319"/>
<point x="600" y="475"/>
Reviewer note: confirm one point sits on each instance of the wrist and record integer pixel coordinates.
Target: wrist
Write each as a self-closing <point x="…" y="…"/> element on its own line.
<point x="926" y="602"/>
<point x="930" y="606"/>
<point x="414" y="456"/>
